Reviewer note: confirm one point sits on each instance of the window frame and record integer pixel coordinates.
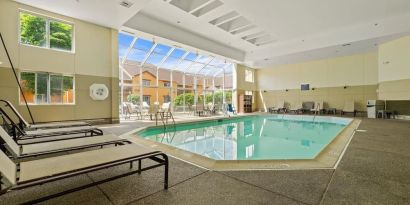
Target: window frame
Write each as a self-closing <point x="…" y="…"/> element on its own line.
<point x="48" y="88"/>
<point x="144" y="81"/>
<point x="48" y="19"/>
<point x="247" y="73"/>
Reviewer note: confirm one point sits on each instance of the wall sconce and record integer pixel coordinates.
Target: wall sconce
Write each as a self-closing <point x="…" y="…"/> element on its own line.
<point x="345" y="87"/>
<point x="265" y="91"/>
<point x="286" y="90"/>
<point x="313" y="88"/>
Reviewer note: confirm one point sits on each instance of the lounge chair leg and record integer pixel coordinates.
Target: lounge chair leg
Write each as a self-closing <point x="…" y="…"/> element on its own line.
<point x="166" y="171"/>
<point x="139" y="166"/>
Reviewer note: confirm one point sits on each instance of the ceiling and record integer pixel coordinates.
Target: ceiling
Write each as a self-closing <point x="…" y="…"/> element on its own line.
<point x="260" y="33"/>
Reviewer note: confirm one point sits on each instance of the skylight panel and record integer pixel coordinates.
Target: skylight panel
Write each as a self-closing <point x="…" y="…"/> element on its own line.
<point x="124" y="42"/>
<point x="143" y="44"/>
<point x="162" y="49"/>
<point x="155" y="59"/>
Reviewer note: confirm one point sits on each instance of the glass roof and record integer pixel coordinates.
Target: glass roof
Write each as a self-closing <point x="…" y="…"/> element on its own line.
<point x="169" y="57"/>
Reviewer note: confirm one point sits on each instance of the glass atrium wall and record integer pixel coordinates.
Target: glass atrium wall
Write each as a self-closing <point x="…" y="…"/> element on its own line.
<point x="152" y="74"/>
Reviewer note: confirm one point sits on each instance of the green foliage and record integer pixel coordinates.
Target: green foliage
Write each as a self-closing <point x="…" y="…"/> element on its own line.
<point x="33" y="32"/>
<point x="60" y="35"/>
<point x="28" y="81"/>
<point x="133" y="98"/>
<point x="189" y="99"/>
<point x="218" y="97"/>
<point x="68" y="83"/>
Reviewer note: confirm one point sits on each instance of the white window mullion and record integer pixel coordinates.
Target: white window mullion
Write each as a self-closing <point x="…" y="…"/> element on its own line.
<point x="47" y="33"/>
<point x="35" y="88"/>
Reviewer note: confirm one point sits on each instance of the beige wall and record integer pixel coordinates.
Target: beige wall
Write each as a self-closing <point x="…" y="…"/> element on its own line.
<point x="359" y="73"/>
<point x="243" y="86"/>
<point x="95" y="60"/>
<point x="394" y="70"/>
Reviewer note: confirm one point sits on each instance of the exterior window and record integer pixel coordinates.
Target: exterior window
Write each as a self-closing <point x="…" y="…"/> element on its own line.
<point x="167" y="98"/>
<point x="249" y="75"/>
<point x="44" y="88"/>
<point x="167" y="84"/>
<point x="146" y="83"/>
<point x="146" y="98"/>
<point x="44" y="32"/>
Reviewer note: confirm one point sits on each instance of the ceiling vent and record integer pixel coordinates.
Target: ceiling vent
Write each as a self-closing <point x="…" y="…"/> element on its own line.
<point x="126" y="4"/>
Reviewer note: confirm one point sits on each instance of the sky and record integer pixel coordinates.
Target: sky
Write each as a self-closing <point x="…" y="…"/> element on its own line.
<point x="204" y="65"/>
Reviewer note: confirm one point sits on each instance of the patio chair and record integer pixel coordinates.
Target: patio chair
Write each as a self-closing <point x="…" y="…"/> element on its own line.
<point x="349" y="107"/>
<point x="43" y="135"/>
<point x="23" y="124"/>
<point x="296" y="108"/>
<point x="280" y="105"/>
<point x="211" y="109"/>
<point x="39" y="149"/>
<point x="132" y="109"/>
<point x="21" y="175"/>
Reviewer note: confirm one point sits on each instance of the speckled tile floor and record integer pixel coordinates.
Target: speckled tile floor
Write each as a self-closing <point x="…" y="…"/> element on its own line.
<point x="374" y="170"/>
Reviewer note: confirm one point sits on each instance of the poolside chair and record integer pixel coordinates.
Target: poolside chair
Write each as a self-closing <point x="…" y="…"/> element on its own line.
<point x="131" y="109"/>
<point x="279" y="106"/>
<point x="229" y="108"/>
<point x="349" y="107"/>
<point x="39" y="149"/>
<point x="23" y="124"/>
<point x="210" y="108"/>
<point x="317" y="107"/>
<point x="43" y="135"/>
<point x="296" y="108"/>
<point x="16" y="176"/>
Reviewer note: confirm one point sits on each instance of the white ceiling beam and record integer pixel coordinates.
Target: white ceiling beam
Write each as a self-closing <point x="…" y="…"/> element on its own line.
<point x="239" y="27"/>
<point x="149" y="54"/>
<point x="201" y="6"/>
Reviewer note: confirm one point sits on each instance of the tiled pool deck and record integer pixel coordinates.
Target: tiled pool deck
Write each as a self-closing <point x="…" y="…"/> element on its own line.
<point x="375" y="169"/>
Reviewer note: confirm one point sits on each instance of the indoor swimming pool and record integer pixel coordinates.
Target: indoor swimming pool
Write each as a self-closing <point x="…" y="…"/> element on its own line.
<point x="257" y="137"/>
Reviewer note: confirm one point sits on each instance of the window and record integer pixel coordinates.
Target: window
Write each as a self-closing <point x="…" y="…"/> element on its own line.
<point x="146" y="98"/>
<point x="249" y="75"/>
<point x="46" y="88"/>
<point x="146" y="83"/>
<point x="167" y="84"/>
<point x="248" y="92"/>
<point x="36" y="30"/>
<point x="167" y="98"/>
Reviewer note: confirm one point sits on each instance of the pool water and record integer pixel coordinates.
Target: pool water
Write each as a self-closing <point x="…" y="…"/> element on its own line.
<point x="252" y="137"/>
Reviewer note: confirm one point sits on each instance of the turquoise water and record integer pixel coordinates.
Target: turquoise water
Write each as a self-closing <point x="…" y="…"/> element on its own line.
<point x="253" y="137"/>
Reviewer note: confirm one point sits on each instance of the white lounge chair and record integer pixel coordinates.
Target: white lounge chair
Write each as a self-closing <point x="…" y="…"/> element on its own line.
<point x="280" y="105"/>
<point x="23" y="124"/>
<point x="22" y="151"/>
<point x="15" y="176"/>
<point x="296" y="107"/>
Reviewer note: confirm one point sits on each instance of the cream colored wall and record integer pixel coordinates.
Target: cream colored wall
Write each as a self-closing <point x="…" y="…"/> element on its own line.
<point x="243" y="86"/>
<point x="329" y="76"/>
<point x="95" y="60"/>
<point x="394" y="70"/>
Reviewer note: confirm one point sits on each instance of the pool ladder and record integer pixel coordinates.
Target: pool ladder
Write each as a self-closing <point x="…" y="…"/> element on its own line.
<point x="317" y="110"/>
<point x="164" y="119"/>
